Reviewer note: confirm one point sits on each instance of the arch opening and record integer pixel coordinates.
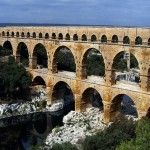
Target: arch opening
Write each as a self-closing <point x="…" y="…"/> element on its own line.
<point x="46" y="36"/>
<point x="122" y="104"/>
<point x="3" y="33"/>
<point x="64" y="60"/>
<point x="138" y="41"/>
<point x="126" y="40"/>
<point x="12" y="34"/>
<point x="60" y="36"/>
<point x="7" y="33"/>
<point x="75" y="37"/>
<point x="40" y="35"/>
<point x="149" y="41"/>
<point x="93" y="38"/>
<point x="7" y="49"/>
<point x="91" y="98"/>
<point x="22" y="54"/>
<point x="148" y="114"/>
<point x="125" y="68"/>
<point x="93" y="63"/>
<point x="22" y="34"/>
<point x="62" y="93"/>
<point x="28" y="35"/>
<point x="34" y="35"/>
<point x="84" y="37"/>
<point x="17" y="34"/>
<point x="38" y="81"/>
<point x="114" y="39"/>
<point x="53" y="36"/>
<point x="104" y="39"/>
<point x="67" y="37"/>
<point x="40" y="58"/>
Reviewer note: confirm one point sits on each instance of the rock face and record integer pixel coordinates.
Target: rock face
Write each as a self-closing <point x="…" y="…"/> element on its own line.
<point x="77" y="126"/>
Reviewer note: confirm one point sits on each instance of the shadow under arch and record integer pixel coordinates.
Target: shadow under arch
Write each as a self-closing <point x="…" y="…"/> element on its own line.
<point x="63" y="60"/>
<point x="91" y="98"/>
<point x="7" y="49"/>
<point x="62" y="92"/>
<point x="38" y="80"/>
<point x="92" y="63"/>
<point x="22" y="54"/>
<point x="39" y="57"/>
<point x="125" y="67"/>
<point x="122" y="104"/>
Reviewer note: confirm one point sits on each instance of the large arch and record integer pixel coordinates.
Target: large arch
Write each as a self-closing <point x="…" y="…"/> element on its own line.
<point x="92" y="63"/>
<point x="122" y="104"/>
<point x="39" y="57"/>
<point x="125" y="67"/>
<point x="62" y="92"/>
<point x="91" y="98"/>
<point x="63" y="59"/>
<point x="7" y="49"/>
<point x="38" y="80"/>
<point x="22" y="54"/>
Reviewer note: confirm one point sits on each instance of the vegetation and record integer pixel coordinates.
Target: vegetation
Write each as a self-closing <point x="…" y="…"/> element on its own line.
<point x="14" y="80"/>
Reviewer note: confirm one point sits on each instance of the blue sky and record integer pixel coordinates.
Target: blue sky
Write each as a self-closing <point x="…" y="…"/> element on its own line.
<point x="87" y="12"/>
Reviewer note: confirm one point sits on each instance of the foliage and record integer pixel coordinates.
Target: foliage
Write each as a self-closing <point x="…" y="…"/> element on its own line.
<point x="111" y="137"/>
<point x="5" y="51"/>
<point x="134" y="62"/>
<point x="66" y="61"/>
<point x="14" y="80"/>
<point x="142" y="140"/>
<point x="64" y="146"/>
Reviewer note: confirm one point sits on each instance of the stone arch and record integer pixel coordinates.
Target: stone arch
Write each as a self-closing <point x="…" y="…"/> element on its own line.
<point x="40" y="35"/>
<point x="123" y="104"/>
<point x="84" y="37"/>
<point x="122" y="62"/>
<point x="104" y="39"/>
<point x="91" y="98"/>
<point x="93" y="38"/>
<point x="63" y="92"/>
<point x="46" y="36"/>
<point x="75" y="37"/>
<point x="7" y="33"/>
<point x="39" y="57"/>
<point x="12" y="34"/>
<point x="22" y="54"/>
<point x="138" y="40"/>
<point x="22" y="34"/>
<point x="114" y="39"/>
<point x="84" y="57"/>
<point x="38" y="80"/>
<point x="126" y="40"/>
<point x="17" y="34"/>
<point x="53" y="35"/>
<point x="28" y="35"/>
<point x="60" y="36"/>
<point x="149" y="41"/>
<point x="3" y="33"/>
<point x="67" y="37"/>
<point x="7" y="49"/>
<point x="55" y="54"/>
<point x="34" y="35"/>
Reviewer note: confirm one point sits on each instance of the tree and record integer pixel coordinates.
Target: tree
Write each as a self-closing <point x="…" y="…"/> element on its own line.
<point x="14" y="80"/>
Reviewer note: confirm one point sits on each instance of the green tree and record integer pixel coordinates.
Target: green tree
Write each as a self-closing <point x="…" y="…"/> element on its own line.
<point x="14" y="80"/>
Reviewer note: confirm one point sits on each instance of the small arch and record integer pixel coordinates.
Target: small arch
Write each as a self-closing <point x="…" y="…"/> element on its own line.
<point x="3" y="33"/>
<point x="38" y="81"/>
<point x="67" y="37"/>
<point x="122" y="104"/>
<point x="12" y="34"/>
<point x="84" y="37"/>
<point x="138" y="41"/>
<point x="22" y="34"/>
<point x="46" y="36"/>
<point x="75" y="37"/>
<point x="104" y="39"/>
<point x="114" y="39"/>
<point x="53" y="36"/>
<point x="91" y="98"/>
<point x="62" y="92"/>
<point x="7" y="33"/>
<point x="17" y="34"/>
<point x="93" y="38"/>
<point x="34" y="35"/>
<point x="126" y="40"/>
<point x="60" y="36"/>
<point x="40" y="35"/>
<point x="149" y="41"/>
<point x="28" y="35"/>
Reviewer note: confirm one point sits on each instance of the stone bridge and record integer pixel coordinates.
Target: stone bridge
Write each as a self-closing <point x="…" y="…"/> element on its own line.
<point x="109" y="41"/>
